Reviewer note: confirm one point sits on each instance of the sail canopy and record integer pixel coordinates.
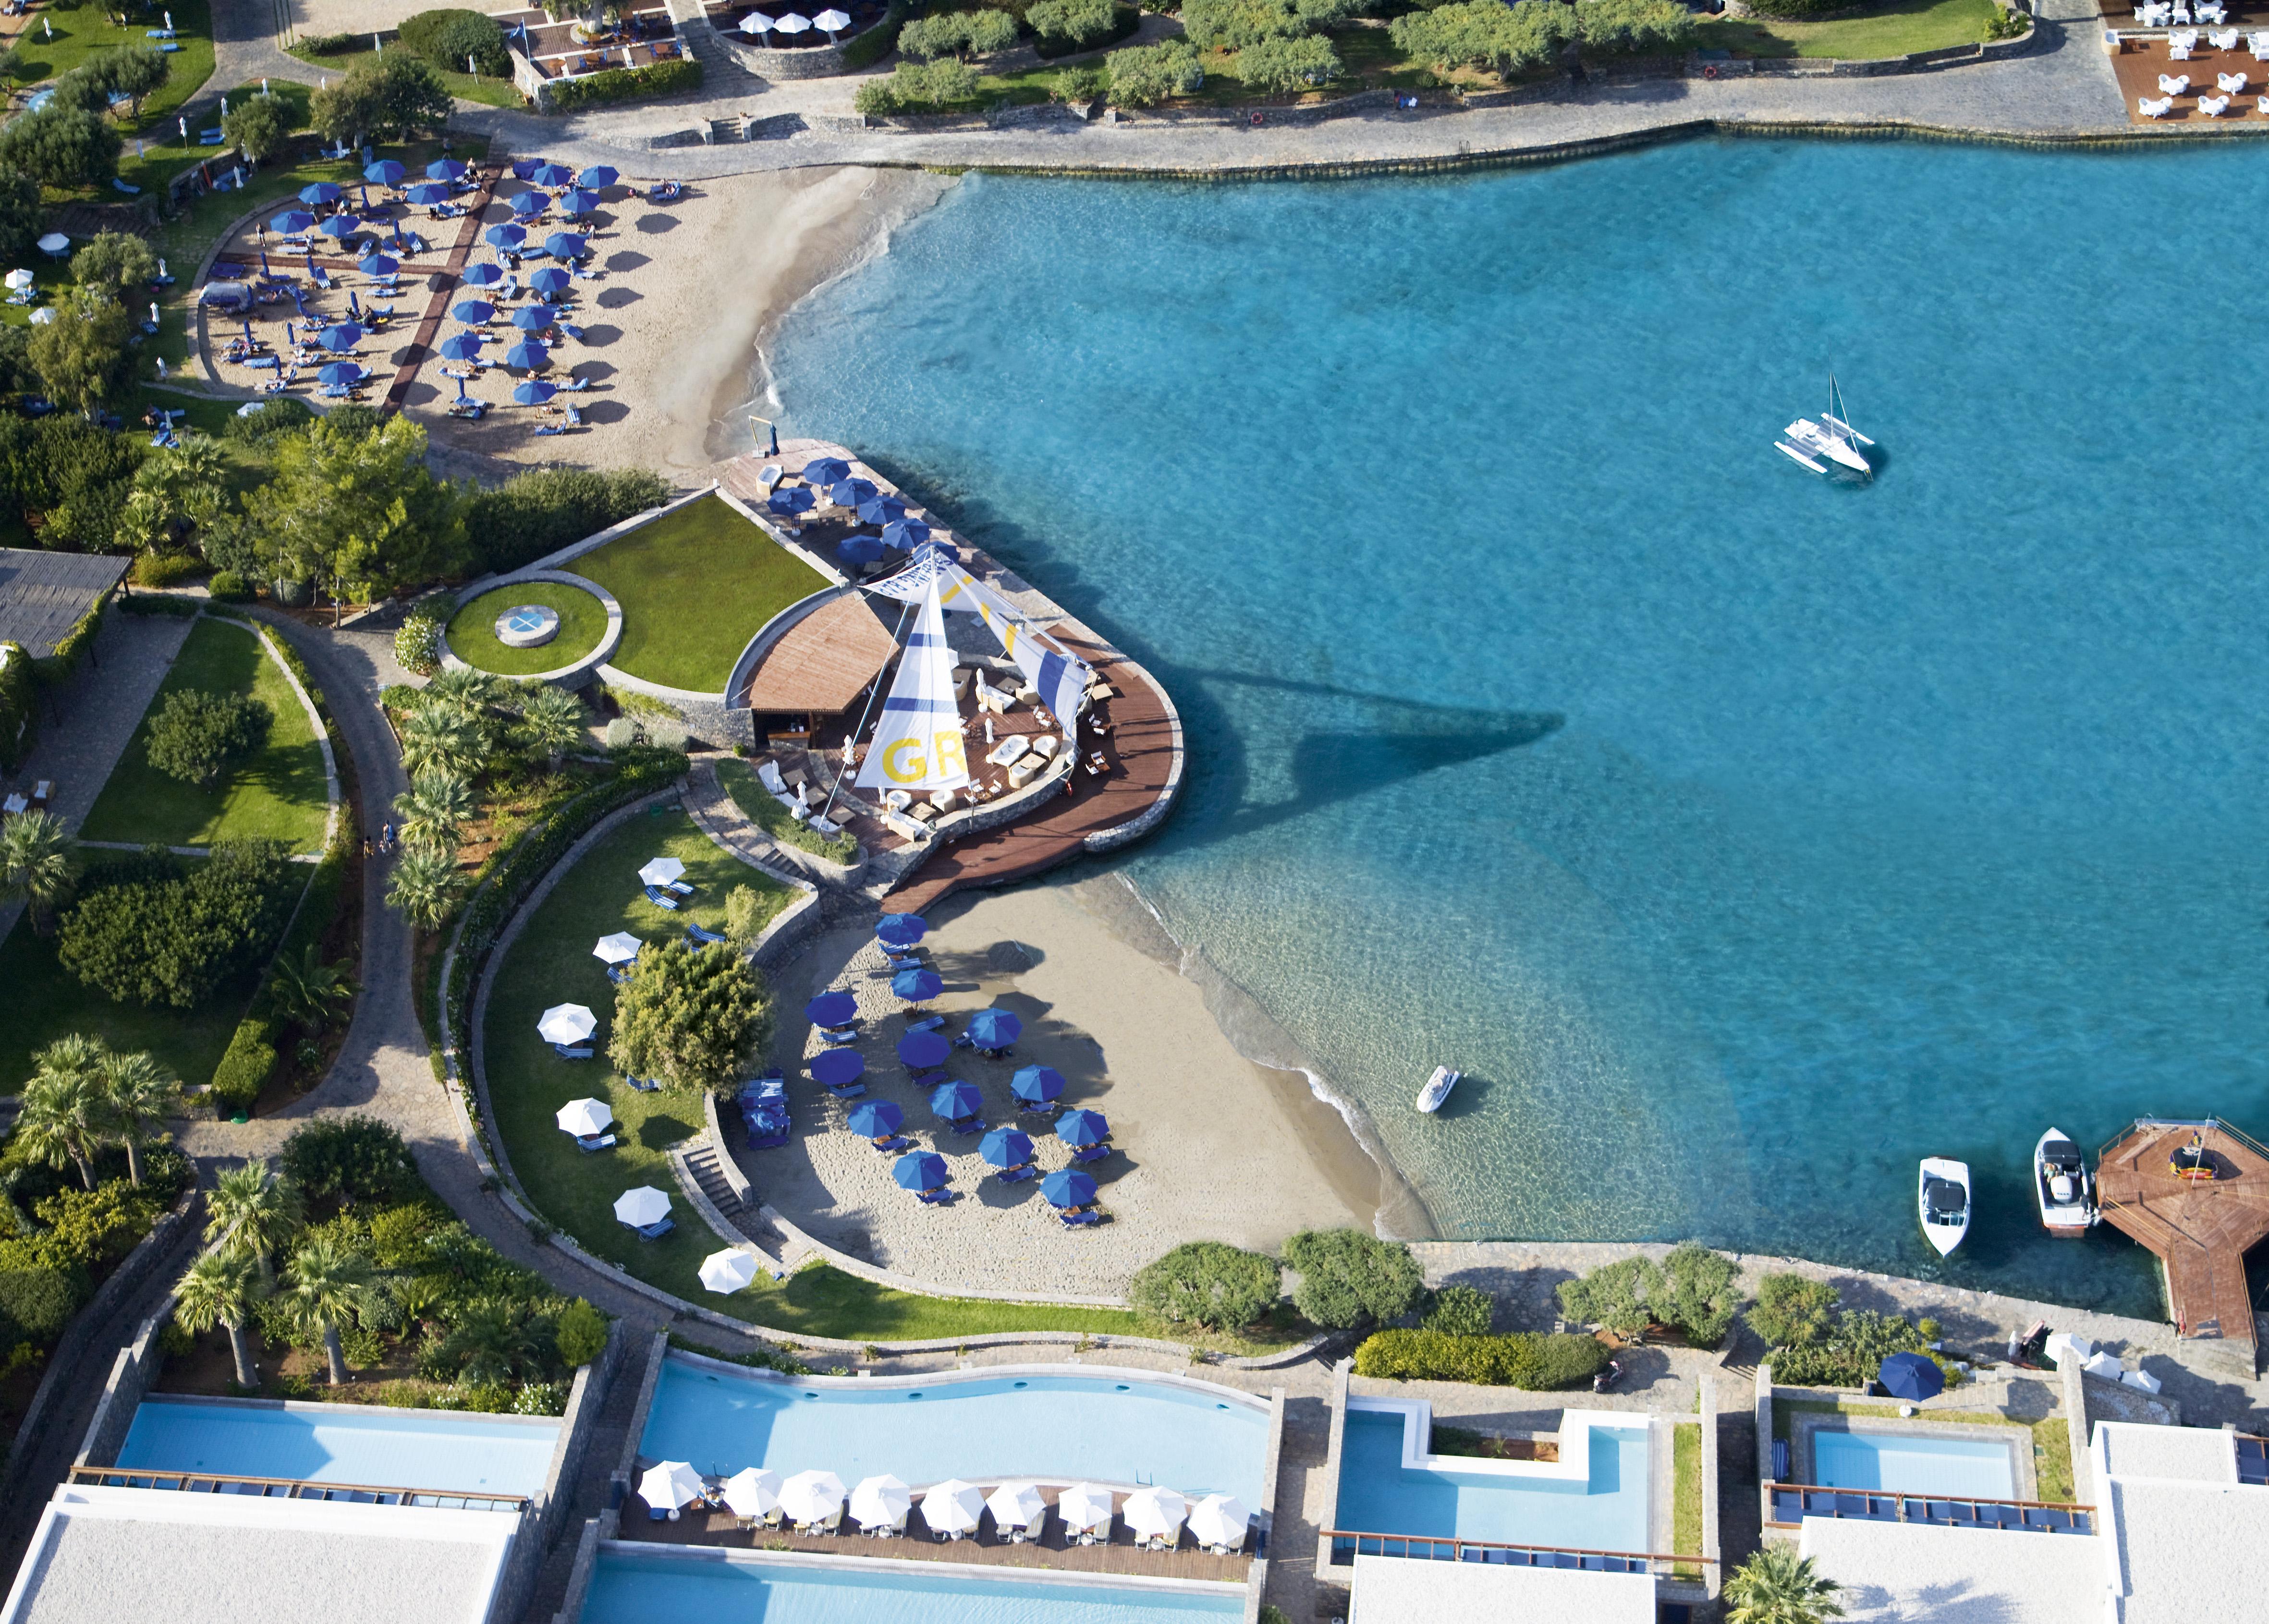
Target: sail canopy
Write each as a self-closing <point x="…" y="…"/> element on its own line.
<point x="918" y="744"/>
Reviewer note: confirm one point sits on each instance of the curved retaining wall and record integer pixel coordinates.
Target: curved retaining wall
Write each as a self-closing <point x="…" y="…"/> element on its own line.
<point x="573" y="676"/>
<point x="810" y="61"/>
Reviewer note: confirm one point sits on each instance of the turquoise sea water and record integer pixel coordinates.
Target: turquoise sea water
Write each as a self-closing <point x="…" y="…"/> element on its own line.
<point x="1745" y="837"/>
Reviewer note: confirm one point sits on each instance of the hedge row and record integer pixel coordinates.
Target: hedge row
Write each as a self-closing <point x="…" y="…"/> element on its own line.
<point x="244" y="1070"/>
<point x="58" y="665"/>
<point x="1537" y="1361"/>
<point x="610" y="85"/>
<point x="20" y="706"/>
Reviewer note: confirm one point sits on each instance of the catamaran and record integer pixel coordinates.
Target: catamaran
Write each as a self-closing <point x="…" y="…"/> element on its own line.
<point x="1831" y="437"/>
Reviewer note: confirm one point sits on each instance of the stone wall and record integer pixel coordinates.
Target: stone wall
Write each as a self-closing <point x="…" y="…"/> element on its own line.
<point x="130" y="1375"/>
<point x="584" y="1405"/>
<point x="812" y="61"/>
<point x="517" y="1582"/>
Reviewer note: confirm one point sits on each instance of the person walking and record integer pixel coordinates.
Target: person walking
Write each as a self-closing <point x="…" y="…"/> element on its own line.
<point x="386" y="837"/>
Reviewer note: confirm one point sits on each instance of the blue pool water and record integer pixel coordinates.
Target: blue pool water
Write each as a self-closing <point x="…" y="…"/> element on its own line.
<point x="1044" y="1426"/>
<point x="384" y="1448"/>
<point x="1745" y="837"/>
<point x="1974" y="1467"/>
<point x="1606" y="1512"/>
<point x="635" y="1590"/>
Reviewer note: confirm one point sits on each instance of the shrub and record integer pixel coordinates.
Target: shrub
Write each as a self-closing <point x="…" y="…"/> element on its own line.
<point x="958" y="34"/>
<point x="1485" y="33"/>
<point x="228" y="587"/>
<point x="1079" y="85"/>
<point x="1537" y="1361"/>
<point x="535" y="513"/>
<point x="35" y="1305"/>
<point x="447" y="38"/>
<point x="2008" y="23"/>
<point x="1347" y="1277"/>
<point x="331" y="44"/>
<point x="612" y="85"/>
<point x="690" y="1017"/>
<point x="280" y="416"/>
<point x="622" y="733"/>
<point x="919" y="87"/>
<point x="174" y="941"/>
<point x="1208" y="1283"/>
<point x="1697" y="1294"/>
<point x="417" y="644"/>
<point x="1623" y="27"/>
<point x="196" y="733"/>
<point x="1461" y="1311"/>
<point x="1285" y="67"/>
<point x="1792" y="1311"/>
<point x="1851" y="1353"/>
<point x="1614" y="1296"/>
<point x="160" y="570"/>
<point x="581" y="1333"/>
<point x="245" y="1068"/>
<point x="1236" y="24"/>
<point x="359" y="1158"/>
<point x="1142" y="75"/>
<point x="1066" y="25"/>
<point x="92" y="1230"/>
<point x="865" y="50"/>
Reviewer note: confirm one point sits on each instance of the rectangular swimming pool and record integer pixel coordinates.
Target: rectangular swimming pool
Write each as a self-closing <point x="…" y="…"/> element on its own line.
<point x="1914" y="1463"/>
<point x="638" y="1590"/>
<point x="1604" y="1510"/>
<point x="343" y="1444"/>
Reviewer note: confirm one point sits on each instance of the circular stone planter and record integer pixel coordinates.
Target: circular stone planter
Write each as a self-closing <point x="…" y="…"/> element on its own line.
<point x="529" y="628"/>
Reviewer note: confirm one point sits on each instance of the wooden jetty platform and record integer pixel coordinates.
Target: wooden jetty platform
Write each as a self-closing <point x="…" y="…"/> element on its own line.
<point x="2200" y="1226"/>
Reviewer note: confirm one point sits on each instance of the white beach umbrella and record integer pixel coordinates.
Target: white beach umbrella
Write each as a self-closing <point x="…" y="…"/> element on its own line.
<point x="53" y="242"/>
<point x="641" y="1206"/>
<point x="753" y="1492"/>
<point x="811" y="1496"/>
<point x="727" y="1271"/>
<point x="584" y="1118"/>
<point x="619" y="948"/>
<point x="671" y="1484"/>
<point x="794" y="23"/>
<point x="661" y="871"/>
<point x="1015" y="1505"/>
<point x="19" y="280"/>
<point x="566" y="1024"/>
<point x="757" y="23"/>
<point x="952" y="1507"/>
<point x="43" y="315"/>
<point x="880" y="1501"/>
<point x="1087" y="1505"/>
<point x="831" y="21"/>
<point x="1154" y="1511"/>
<point x="1218" y="1520"/>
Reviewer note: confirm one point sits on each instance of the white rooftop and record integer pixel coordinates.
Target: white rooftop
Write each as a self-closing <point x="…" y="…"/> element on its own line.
<point x="1906" y="1573"/>
<point x="2188" y="1454"/>
<point x="104" y="1555"/>
<point x="2186" y="1537"/>
<point x="1396" y="1590"/>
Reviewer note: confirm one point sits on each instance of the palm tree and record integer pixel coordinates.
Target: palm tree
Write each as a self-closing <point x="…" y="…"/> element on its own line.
<point x="306" y="993"/>
<point x="551" y="723"/>
<point x="1776" y="1586"/>
<point x="490" y="1342"/>
<point x="64" y="1111"/>
<point x="424" y="885"/>
<point x="255" y="1211"/>
<point x="137" y="1095"/>
<point x="325" y="1286"/>
<point x="221" y="1288"/>
<point x="436" y="807"/>
<point x="464" y="690"/>
<point x="439" y="735"/>
<point x="35" y="864"/>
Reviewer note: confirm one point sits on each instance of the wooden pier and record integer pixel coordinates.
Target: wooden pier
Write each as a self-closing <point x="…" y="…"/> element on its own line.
<point x="2197" y="1194"/>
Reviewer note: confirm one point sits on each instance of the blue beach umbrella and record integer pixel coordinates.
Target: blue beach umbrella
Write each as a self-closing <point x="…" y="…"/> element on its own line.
<point x="549" y="174"/>
<point x="795" y="500"/>
<point x="483" y="275"/>
<point x="474" y="311"/>
<point x="535" y="392"/>
<point x="876" y="1119"/>
<point x="598" y="177"/>
<point x="922" y="1050"/>
<point x="523" y="167"/>
<point x="851" y="492"/>
<point x="1068" y="1189"/>
<point x="444" y="169"/>
<point x="901" y="930"/>
<point x="463" y="347"/>
<point x="578" y="203"/>
<point x="320" y="195"/>
<point x="1005" y="1147"/>
<point x="341" y="338"/>
<point x="830" y="1009"/>
<point x="955" y="1102"/>
<point x="1039" y="1084"/>
<point x="917" y="986"/>
<point x="504" y="236"/>
<point x="532" y="318"/>
<point x="339" y="373"/>
<point x="919" y="1170"/>
<point x="566" y="245"/>
<point x="882" y="510"/>
<point x="291" y="222"/>
<point x="385" y="171"/>
<point x="1912" y="1376"/>
<point x="378" y="265"/>
<point x="1083" y="1128"/>
<point x="550" y="280"/>
<point x="340" y="226"/>
<point x="906" y="534"/>
<point x="859" y="548"/>
<point x="426" y="194"/>
<point x="530" y="203"/>
<point x="529" y="357"/>
<point x="825" y="471"/>
<point x="837" y="1068"/>
<point x="993" y="1029"/>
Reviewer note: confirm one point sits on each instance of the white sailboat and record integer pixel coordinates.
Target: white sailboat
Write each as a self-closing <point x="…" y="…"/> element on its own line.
<point x="1831" y="436"/>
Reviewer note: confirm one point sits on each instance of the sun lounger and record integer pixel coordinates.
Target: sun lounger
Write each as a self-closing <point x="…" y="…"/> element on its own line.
<point x="705" y="938"/>
<point x="1087" y="1153"/>
<point x="2214" y="107"/>
<point x="933" y="1197"/>
<point x="589" y="1143"/>
<point x="655" y="1230"/>
<point x="892" y="1145"/>
<point x="644" y="1085"/>
<point x="1080" y="1220"/>
<point x="680" y="887"/>
<point x="927" y="1023"/>
<point x="617" y="974"/>
<point x="659" y="898"/>
<point x="1017" y="1175"/>
<point x="580" y="1053"/>
<point x="848" y="1090"/>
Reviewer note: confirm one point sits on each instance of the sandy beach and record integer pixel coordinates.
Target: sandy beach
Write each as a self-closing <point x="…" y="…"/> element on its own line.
<point x="1209" y="1145"/>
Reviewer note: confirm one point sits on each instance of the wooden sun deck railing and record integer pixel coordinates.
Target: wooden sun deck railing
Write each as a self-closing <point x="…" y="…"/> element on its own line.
<point x="2202" y="1125"/>
<point x="2051" y="1517"/>
<point x="295" y="1488"/>
<point x="1347" y="1544"/>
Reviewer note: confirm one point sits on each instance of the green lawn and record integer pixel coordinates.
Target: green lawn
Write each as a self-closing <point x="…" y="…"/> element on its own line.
<point x="81" y="35"/>
<point x="464" y="86"/>
<point x="276" y="794"/>
<point x="1686" y="1491"/>
<point x="695" y="587"/>
<point x="583" y="622"/>
<point x="758" y="805"/>
<point x="41" y="1002"/>
<point x="1897" y="30"/>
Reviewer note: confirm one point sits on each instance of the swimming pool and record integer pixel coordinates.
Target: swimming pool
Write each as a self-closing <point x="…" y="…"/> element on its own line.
<point x="1122" y="1428"/>
<point x="343" y="1444"/>
<point x="1914" y="1463"/>
<point x="637" y="1590"/>
<point x="1595" y="1498"/>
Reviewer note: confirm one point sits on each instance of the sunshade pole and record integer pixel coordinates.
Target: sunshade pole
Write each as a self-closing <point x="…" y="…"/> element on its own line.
<point x="873" y="694"/>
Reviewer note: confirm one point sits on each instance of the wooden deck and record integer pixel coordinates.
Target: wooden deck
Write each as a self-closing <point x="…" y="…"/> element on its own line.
<point x="2141" y="62"/>
<point x="2201" y="1229"/>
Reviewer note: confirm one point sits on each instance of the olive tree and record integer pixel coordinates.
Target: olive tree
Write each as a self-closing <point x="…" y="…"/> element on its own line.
<point x="691" y="1017"/>
<point x="1208" y="1283"/>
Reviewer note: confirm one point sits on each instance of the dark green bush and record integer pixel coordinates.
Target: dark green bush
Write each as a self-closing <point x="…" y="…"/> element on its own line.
<point x="1142" y="75"/>
<point x="1347" y="1277"/>
<point x="447" y="38"/>
<point x="1536" y="1361"/>
<point x="958" y="34"/>
<point x="535" y="513"/>
<point x="612" y="85"/>
<point x="1062" y="25"/>
<point x="196" y="734"/>
<point x="1852" y="1354"/>
<point x="19" y="707"/>
<point x="279" y="416"/>
<point x="173" y="608"/>
<point x="332" y="44"/>
<point x="1287" y="67"/>
<point x="356" y="1157"/>
<point x="228" y="587"/>
<point x="174" y="941"/>
<point x="1236" y="24"/>
<point x="919" y="87"/>
<point x="1461" y="1311"/>
<point x="581" y="1333"/>
<point x="1697" y="1295"/>
<point x="35" y="1305"/>
<point x="245" y="1068"/>
<point x="865" y="50"/>
<point x="1208" y="1283"/>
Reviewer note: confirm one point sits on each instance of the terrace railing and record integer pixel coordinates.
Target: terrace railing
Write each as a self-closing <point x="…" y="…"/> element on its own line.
<point x="1347" y="1544"/>
<point x="296" y="1488"/>
<point x="1792" y="1502"/>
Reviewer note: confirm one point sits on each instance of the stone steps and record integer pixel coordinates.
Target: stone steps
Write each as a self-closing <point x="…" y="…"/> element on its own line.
<point x="701" y="1162"/>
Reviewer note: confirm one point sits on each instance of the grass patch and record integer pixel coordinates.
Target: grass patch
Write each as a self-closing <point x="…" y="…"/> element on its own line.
<point x="2053" y="1459"/>
<point x="41" y="1002"/>
<point x="1685" y="1495"/>
<point x="583" y="622"/>
<point x="464" y="86"/>
<point x="276" y="793"/>
<point x="1897" y="30"/>
<point x="695" y="586"/>
<point x="90" y="32"/>
<point x="758" y="804"/>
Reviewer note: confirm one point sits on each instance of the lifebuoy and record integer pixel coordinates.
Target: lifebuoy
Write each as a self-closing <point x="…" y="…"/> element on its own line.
<point x="1710" y="70"/>
<point x="1259" y="118"/>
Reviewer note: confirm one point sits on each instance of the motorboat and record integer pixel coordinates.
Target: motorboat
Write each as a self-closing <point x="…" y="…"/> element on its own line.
<point x="1831" y="436"/>
<point x="1437" y="1089"/>
<point x="2061" y="1186"/>
<point x="1942" y="1196"/>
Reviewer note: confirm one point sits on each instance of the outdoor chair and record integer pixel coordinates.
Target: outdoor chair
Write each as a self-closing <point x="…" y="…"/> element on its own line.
<point x="2260" y="43"/>
<point x="1017" y="1175"/>
<point x="704" y="938"/>
<point x="2214" y="107"/>
<point x="1089" y="1153"/>
<point x="659" y="898"/>
<point x="591" y="1143"/>
<point x="2223" y="39"/>
<point x="2174" y="84"/>
<point x="2230" y="84"/>
<point x="581" y="1052"/>
<point x="2263" y="103"/>
<point x="1080" y="1220"/>
<point x="644" y="1085"/>
<point x="2178" y="52"/>
<point x="41" y="790"/>
<point x="2159" y="108"/>
<point x="655" y="1230"/>
<point x="934" y="1198"/>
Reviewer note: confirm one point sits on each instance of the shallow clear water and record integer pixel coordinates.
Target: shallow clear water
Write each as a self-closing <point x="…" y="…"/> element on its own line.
<point x="1054" y="1427"/>
<point x="1606" y="1512"/>
<point x="632" y="1590"/>
<point x="1972" y="1468"/>
<point x="382" y="1448"/>
<point x="1745" y="837"/>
